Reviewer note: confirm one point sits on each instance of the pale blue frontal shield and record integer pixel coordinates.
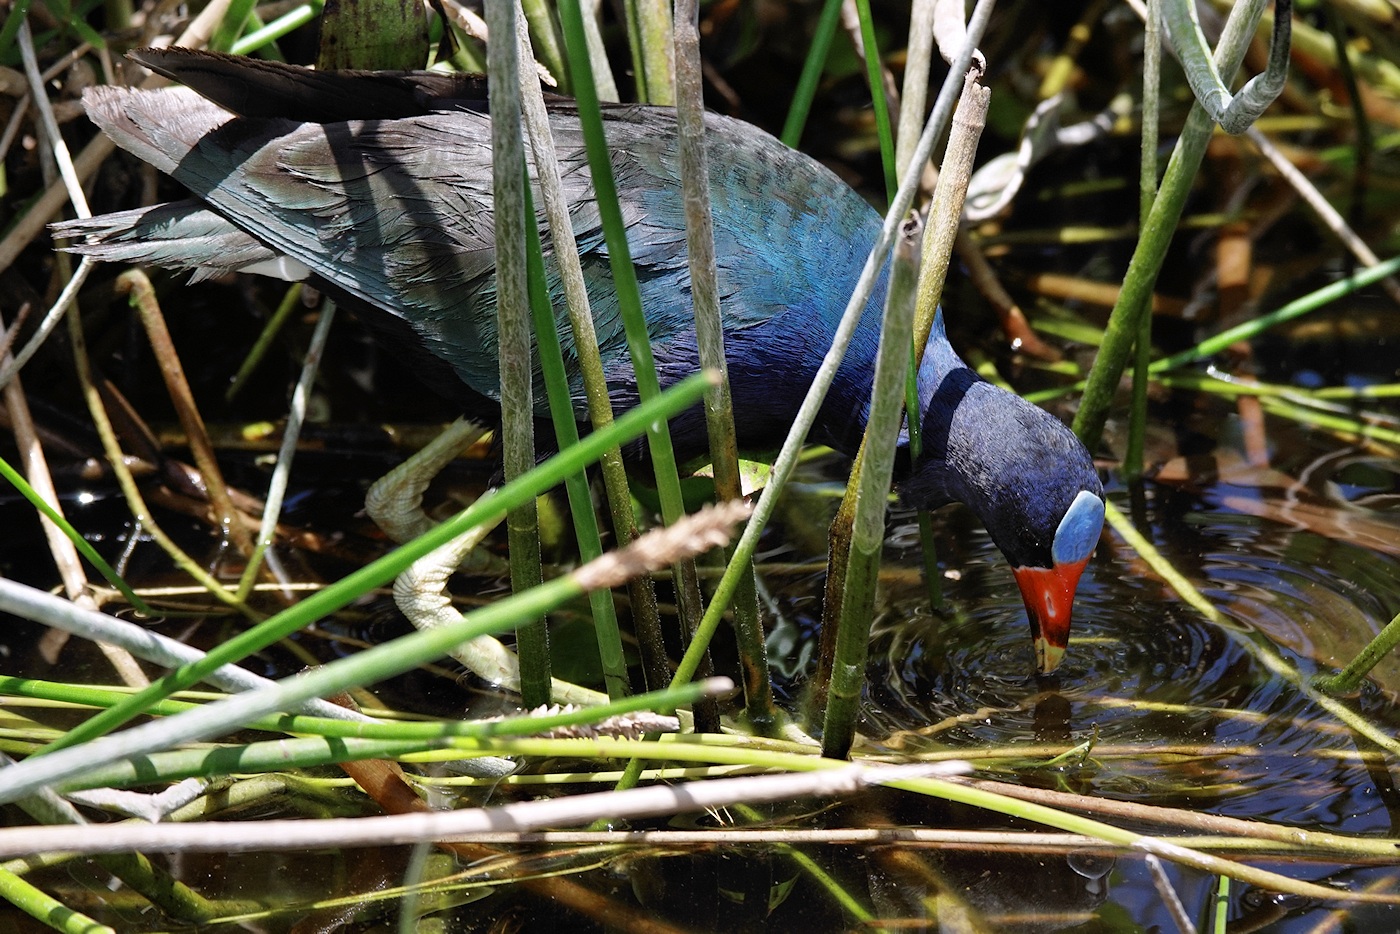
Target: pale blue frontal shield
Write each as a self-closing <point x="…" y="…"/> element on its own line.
<point x="1079" y="530"/>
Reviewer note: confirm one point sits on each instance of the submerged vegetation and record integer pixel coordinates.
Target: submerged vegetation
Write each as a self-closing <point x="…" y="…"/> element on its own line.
<point x="1214" y="313"/>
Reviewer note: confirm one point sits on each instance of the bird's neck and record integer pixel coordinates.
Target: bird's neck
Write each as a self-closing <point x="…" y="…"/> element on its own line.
<point x="939" y="362"/>
<point x="943" y="379"/>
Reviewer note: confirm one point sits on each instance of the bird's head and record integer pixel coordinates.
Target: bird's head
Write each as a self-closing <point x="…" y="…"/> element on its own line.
<point x="1047" y="588"/>
<point x="1026" y="476"/>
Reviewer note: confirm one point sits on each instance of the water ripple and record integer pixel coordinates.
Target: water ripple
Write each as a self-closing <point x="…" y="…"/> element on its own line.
<point x="1178" y="710"/>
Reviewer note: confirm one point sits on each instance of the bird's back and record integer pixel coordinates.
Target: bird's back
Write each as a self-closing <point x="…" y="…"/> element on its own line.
<point x="397" y="215"/>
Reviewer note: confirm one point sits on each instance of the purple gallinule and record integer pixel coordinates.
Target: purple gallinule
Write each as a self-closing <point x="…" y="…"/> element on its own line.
<point x="377" y="187"/>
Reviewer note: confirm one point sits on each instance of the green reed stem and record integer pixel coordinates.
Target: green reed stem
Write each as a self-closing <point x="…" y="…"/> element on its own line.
<point x="1147" y="194"/>
<point x="280" y="755"/>
<point x="73" y="535"/>
<point x="811" y="73"/>
<point x="1379" y="391"/>
<point x="46" y="909"/>
<point x="602" y="72"/>
<point x="646" y="619"/>
<point x="875" y="74"/>
<point x="286" y="23"/>
<point x="291" y="301"/>
<point x="373" y="34"/>
<point x="649" y="38"/>
<point x="709" y="333"/>
<point x="590" y="541"/>
<point x="914" y="93"/>
<point x="547" y="43"/>
<point x="230" y="27"/>
<point x="327" y="742"/>
<point x="662" y="701"/>
<point x="868" y="523"/>
<point x="1221" y="908"/>
<point x="619" y="252"/>
<point x="1234" y="113"/>
<point x="1349" y="678"/>
<point x="1345" y="425"/>
<point x="1307" y="408"/>
<point x="629" y="297"/>
<point x="1294" y="309"/>
<point x="9" y="30"/>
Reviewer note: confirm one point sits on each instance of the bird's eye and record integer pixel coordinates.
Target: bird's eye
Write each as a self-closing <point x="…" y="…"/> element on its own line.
<point x="1079" y="529"/>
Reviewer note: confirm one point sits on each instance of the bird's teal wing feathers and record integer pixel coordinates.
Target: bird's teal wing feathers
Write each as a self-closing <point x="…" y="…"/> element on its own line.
<point x="398" y="213"/>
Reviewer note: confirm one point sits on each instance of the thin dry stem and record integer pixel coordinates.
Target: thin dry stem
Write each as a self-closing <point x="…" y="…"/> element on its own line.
<point x="65" y="555"/>
<point x="47" y="206"/>
<point x="1170" y="899"/>
<point x="117" y="460"/>
<point x="266" y="836"/>
<point x="945" y="211"/>
<point x="711" y="527"/>
<point x="134" y="282"/>
<point x="1329" y="215"/>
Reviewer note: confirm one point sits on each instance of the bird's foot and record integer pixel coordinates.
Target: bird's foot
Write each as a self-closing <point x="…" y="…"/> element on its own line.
<point x="395" y="502"/>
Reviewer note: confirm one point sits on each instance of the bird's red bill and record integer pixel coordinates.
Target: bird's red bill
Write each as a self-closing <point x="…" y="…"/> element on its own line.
<point x="1049" y="597"/>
